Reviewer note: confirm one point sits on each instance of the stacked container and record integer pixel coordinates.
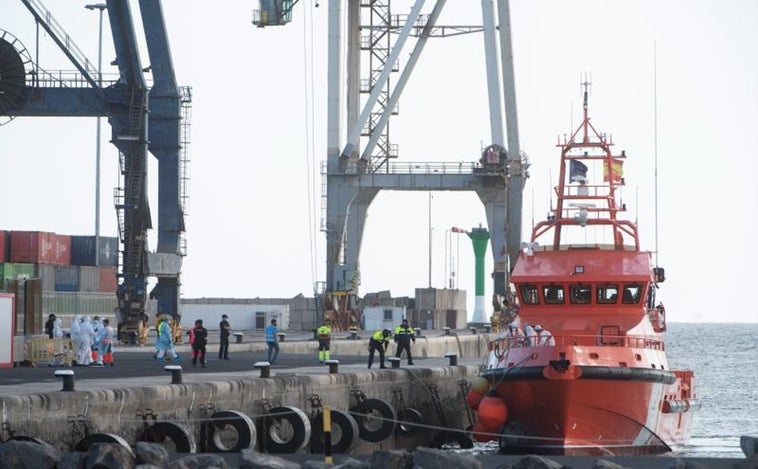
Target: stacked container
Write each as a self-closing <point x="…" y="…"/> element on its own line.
<point x="58" y="274"/>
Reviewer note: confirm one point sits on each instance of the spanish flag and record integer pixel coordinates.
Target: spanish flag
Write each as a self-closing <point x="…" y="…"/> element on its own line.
<point x="616" y="172"/>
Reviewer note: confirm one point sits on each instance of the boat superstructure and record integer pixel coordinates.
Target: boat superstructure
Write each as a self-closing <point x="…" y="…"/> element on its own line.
<point x="583" y="368"/>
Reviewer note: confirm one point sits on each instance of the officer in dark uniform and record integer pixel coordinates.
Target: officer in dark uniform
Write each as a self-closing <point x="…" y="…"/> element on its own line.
<point x="404" y="335"/>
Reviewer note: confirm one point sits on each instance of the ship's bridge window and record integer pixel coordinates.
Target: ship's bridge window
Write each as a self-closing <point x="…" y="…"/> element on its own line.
<point x="529" y="295"/>
<point x="553" y="294"/>
<point x="632" y="294"/>
<point x="607" y="294"/>
<point x="580" y="294"/>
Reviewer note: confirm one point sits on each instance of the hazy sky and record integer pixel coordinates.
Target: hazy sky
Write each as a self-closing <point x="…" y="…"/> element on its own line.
<point x="259" y="132"/>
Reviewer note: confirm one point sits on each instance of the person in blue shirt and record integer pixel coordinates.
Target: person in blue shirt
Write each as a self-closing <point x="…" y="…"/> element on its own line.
<point x="271" y="342"/>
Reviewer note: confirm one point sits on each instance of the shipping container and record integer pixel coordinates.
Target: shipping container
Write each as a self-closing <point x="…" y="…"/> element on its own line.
<point x="89" y="278"/>
<point x="46" y="275"/>
<point x="107" y="282"/>
<point x="83" y="251"/>
<point x="11" y="271"/>
<point x="32" y="246"/>
<point x="67" y="278"/>
<point x="5" y="247"/>
<point x="61" y="249"/>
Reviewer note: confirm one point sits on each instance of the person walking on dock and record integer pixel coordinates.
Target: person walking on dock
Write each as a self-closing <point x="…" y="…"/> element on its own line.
<point x="200" y="340"/>
<point x="272" y="342"/>
<point x="324" y="335"/>
<point x="106" y="343"/>
<point x="404" y="334"/>
<point x="226" y="330"/>
<point x="379" y="341"/>
<point x="164" y="343"/>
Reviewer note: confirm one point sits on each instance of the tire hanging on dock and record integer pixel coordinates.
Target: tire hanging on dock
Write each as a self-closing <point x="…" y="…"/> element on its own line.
<point x="406" y="418"/>
<point x="240" y="422"/>
<point x="451" y="438"/>
<point x="30" y="439"/>
<point x="178" y="433"/>
<point x="344" y="432"/>
<point x="285" y="430"/>
<point x="376" y="421"/>
<point x="89" y="440"/>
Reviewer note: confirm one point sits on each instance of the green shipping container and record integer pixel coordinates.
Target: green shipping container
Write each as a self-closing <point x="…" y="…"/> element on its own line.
<point x="12" y="271"/>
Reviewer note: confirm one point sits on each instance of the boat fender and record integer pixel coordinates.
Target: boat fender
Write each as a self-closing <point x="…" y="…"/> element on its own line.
<point x="30" y="439"/>
<point x="240" y="422"/>
<point x="178" y="433"/>
<point x="89" y="440"/>
<point x="277" y="442"/>
<point x="344" y="428"/>
<point x="377" y="421"/>
<point x="406" y="422"/>
<point x="452" y="438"/>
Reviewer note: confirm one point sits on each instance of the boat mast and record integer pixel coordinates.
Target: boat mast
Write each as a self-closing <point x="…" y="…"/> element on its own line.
<point x="581" y="203"/>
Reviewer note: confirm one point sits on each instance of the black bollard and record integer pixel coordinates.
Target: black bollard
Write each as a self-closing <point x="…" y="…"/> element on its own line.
<point x="282" y="336"/>
<point x="447" y="330"/>
<point x="265" y="368"/>
<point x="68" y="379"/>
<point x="238" y="337"/>
<point x="334" y="366"/>
<point x="473" y="330"/>
<point x="453" y="359"/>
<point x="394" y="362"/>
<point x="176" y="373"/>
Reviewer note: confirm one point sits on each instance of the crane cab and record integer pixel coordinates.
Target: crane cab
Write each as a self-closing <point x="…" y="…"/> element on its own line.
<point x="273" y="13"/>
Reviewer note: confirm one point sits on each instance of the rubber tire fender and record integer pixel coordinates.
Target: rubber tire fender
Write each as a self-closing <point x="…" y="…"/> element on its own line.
<point x="348" y="429"/>
<point x="386" y="412"/>
<point x="178" y="433"/>
<point x="242" y="424"/>
<point x="301" y="428"/>
<point x="85" y="443"/>
<point x="30" y="439"/>
<point x="451" y="436"/>
<point x="406" y="419"/>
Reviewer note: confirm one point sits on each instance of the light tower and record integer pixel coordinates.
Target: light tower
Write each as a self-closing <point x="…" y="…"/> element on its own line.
<point x="480" y="239"/>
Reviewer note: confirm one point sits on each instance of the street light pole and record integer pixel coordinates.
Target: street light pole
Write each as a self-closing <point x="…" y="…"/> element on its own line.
<point x="430" y="239"/>
<point x="100" y="7"/>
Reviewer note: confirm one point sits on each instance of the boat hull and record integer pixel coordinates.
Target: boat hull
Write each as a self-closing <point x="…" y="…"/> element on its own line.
<point x="604" y="413"/>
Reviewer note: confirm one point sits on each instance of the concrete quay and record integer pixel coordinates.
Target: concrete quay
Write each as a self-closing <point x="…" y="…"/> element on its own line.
<point x="106" y="403"/>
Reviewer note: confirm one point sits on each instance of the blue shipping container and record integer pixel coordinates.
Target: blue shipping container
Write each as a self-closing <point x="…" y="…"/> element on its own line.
<point x="67" y="278"/>
<point x="83" y="251"/>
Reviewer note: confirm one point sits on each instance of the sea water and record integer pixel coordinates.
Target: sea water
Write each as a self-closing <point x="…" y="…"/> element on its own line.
<point x="724" y="358"/>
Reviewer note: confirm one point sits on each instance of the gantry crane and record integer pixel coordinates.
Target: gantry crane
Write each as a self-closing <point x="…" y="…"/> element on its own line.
<point x="144" y="118"/>
<point x="356" y="171"/>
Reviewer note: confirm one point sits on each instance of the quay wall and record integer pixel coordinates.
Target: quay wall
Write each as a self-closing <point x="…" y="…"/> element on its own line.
<point x="465" y="345"/>
<point x="63" y="418"/>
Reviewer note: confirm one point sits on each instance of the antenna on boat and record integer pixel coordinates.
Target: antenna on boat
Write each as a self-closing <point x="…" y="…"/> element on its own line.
<point x="655" y="142"/>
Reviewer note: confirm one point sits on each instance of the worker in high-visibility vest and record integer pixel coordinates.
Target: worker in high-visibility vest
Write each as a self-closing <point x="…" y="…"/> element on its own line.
<point x="324" y="336"/>
<point x="378" y="342"/>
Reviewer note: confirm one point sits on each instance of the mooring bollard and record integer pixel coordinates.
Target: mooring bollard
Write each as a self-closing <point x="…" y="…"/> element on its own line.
<point x="473" y="330"/>
<point x="453" y="359"/>
<point x="419" y="332"/>
<point x="238" y="337"/>
<point x="447" y="330"/>
<point x="334" y="366"/>
<point x="265" y="368"/>
<point x="176" y="373"/>
<point x="282" y="336"/>
<point x="353" y="335"/>
<point x="394" y="362"/>
<point x="68" y="379"/>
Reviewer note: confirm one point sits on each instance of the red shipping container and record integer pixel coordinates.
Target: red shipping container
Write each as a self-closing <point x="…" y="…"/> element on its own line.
<point x="4" y="254"/>
<point x="61" y="249"/>
<point x="32" y="247"/>
<point x="107" y="281"/>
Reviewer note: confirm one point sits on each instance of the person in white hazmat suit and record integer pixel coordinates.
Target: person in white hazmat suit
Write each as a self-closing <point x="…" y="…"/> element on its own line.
<point x="86" y="333"/>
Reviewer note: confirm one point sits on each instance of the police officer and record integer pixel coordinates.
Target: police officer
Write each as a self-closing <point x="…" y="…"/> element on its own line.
<point x="324" y="335"/>
<point x="380" y="340"/>
<point x="403" y="336"/>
